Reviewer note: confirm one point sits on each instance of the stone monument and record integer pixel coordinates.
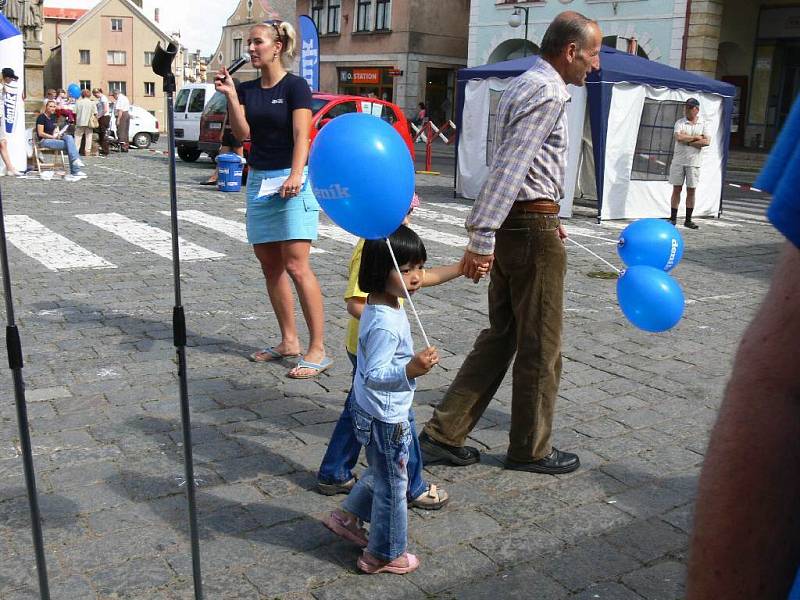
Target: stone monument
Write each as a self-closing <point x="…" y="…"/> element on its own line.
<point x="27" y="16"/>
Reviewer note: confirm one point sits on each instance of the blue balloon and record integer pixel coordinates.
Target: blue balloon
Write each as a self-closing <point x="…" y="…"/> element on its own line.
<point x="362" y="174"/>
<point x="652" y="242"/>
<point x="649" y="298"/>
<point x="74" y="90"/>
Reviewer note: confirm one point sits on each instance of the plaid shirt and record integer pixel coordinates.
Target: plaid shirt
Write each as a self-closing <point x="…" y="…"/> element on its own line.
<point x="530" y="155"/>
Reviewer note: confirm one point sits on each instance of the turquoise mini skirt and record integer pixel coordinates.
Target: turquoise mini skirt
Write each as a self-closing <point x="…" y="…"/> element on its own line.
<point x="275" y="219"/>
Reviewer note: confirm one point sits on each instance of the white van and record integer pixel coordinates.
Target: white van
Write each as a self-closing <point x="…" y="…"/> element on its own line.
<point x="143" y="127"/>
<point x="189" y="104"/>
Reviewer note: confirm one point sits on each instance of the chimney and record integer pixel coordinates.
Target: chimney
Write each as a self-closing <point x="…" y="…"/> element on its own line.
<point x="156" y="16"/>
<point x="137" y="3"/>
<point x="633" y="46"/>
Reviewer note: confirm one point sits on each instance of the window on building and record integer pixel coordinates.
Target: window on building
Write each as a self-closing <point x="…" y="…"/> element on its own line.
<point x="383" y="14"/>
<point x="362" y="15"/>
<point x="316" y="13"/>
<point x="85" y="57"/>
<point x="118" y="86"/>
<point x="86" y="84"/>
<point x="116" y="24"/>
<point x="148" y="58"/>
<point x="237" y="47"/>
<point x="494" y="103"/>
<point x="654" y="144"/>
<point x="116" y="57"/>
<point x="334" y="11"/>
<point x="149" y="88"/>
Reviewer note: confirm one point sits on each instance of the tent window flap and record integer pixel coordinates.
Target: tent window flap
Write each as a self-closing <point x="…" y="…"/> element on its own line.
<point x="655" y="141"/>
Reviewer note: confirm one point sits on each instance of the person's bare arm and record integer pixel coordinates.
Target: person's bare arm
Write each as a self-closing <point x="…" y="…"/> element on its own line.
<point x="701" y="141"/>
<point x="685" y="138"/>
<point x="223" y="82"/>
<point x="746" y="541"/>
<point x="437" y="275"/>
<point x="355" y="306"/>
<point x="301" y="130"/>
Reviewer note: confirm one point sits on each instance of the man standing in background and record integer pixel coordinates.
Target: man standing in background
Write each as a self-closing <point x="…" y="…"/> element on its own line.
<point x="691" y="136"/>
<point x="122" y="107"/>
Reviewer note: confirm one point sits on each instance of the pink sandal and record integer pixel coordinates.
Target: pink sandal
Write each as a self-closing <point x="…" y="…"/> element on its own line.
<point x="348" y="528"/>
<point x="405" y="563"/>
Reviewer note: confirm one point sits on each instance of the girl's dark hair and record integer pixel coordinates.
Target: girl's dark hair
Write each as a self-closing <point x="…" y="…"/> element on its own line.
<point x="376" y="262"/>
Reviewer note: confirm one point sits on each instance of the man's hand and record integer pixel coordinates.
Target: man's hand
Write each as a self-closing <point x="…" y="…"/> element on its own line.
<point x="475" y="266"/>
<point x="562" y="233"/>
<point x="423" y="361"/>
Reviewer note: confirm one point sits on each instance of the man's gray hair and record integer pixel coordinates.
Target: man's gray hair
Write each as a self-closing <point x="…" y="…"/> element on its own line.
<point x="567" y="28"/>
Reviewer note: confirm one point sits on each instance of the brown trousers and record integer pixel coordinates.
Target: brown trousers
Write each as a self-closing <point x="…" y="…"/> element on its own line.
<point x="526" y="299"/>
<point x="102" y="135"/>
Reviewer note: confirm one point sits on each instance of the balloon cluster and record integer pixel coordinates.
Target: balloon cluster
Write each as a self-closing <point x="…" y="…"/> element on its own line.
<point x="648" y="296"/>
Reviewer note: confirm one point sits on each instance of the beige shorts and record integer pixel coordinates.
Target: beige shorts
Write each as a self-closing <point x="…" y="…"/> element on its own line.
<point x="680" y="173"/>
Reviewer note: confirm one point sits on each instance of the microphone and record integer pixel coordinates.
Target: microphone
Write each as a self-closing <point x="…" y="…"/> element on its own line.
<point x="237" y="64"/>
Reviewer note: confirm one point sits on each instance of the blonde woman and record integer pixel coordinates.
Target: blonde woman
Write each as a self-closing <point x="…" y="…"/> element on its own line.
<point x="85" y="109"/>
<point x="274" y="112"/>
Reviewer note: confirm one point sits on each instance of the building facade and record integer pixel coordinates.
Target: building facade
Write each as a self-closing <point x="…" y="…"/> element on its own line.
<point x="56" y="22"/>
<point x="111" y="47"/>
<point x="233" y="42"/>
<point x="405" y="51"/>
<point x="753" y="44"/>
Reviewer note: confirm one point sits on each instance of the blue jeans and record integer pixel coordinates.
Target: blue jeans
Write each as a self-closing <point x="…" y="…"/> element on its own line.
<point x="343" y="450"/>
<point x="67" y="142"/>
<point x="379" y="497"/>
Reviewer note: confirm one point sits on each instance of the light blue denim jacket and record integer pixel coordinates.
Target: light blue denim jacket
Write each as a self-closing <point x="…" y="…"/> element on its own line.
<point x="385" y="347"/>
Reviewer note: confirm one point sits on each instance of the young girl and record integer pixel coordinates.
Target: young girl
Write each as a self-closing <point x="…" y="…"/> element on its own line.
<point x="335" y="475"/>
<point x="383" y="389"/>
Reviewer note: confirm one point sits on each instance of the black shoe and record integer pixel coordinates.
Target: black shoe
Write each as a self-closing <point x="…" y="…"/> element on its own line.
<point x="691" y="225"/>
<point x="555" y="463"/>
<point x="433" y="452"/>
<point x="673" y="221"/>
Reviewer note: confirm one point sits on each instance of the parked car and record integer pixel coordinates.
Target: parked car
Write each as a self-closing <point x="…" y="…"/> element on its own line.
<point x="189" y="104"/>
<point x="143" y="129"/>
<point x="324" y="107"/>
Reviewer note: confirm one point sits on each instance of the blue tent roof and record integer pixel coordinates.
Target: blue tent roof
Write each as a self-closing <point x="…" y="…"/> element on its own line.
<point x="615" y="66"/>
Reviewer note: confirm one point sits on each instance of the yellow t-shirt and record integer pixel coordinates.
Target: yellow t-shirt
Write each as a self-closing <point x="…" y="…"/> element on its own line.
<point x="353" y="291"/>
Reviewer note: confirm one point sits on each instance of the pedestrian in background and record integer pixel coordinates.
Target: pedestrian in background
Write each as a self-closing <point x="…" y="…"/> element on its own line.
<point x="122" y="107"/>
<point x="103" y="120"/>
<point x="85" y="121"/>
<point x="691" y="136"/>
<point x="518" y="208"/>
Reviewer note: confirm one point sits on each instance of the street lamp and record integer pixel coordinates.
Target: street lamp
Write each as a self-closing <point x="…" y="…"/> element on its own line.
<point x="515" y="20"/>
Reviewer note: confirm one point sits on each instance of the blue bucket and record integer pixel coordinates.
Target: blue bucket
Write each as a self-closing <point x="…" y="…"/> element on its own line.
<point x="229" y="169"/>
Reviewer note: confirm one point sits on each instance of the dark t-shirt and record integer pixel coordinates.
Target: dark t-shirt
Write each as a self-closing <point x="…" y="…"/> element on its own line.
<point x="269" y="114"/>
<point x="49" y="124"/>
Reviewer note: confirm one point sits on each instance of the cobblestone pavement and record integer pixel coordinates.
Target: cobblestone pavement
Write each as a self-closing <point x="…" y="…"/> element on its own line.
<point x="103" y="400"/>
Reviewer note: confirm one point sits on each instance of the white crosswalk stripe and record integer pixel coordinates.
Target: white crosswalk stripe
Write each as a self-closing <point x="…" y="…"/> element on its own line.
<point x="458" y="207"/>
<point x="49" y="248"/>
<point x="432" y="215"/>
<point x="147" y="237"/>
<point x="337" y="233"/>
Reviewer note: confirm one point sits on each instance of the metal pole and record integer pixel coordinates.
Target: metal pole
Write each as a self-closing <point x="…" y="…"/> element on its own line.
<point x="14" y="348"/>
<point x="162" y="66"/>
<point x="525" y="43"/>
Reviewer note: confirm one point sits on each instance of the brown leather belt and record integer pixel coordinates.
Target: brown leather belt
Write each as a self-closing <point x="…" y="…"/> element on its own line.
<point x="544" y="207"/>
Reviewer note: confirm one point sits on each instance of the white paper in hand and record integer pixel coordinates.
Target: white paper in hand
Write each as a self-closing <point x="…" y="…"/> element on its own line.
<point x="272" y="185"/>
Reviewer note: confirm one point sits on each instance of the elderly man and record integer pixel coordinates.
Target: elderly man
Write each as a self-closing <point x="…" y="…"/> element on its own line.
<point x="122" y="107"/>
<point x="514" y="229"/>
<point x="691" y="136"/>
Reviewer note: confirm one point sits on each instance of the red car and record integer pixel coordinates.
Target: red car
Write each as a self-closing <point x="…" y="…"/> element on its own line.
<point x="324" y="107"/>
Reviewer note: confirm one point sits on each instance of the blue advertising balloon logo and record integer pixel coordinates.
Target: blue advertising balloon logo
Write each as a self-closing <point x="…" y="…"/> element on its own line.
<point x="652" y="242"/>
<point x="649" y="298"/>
<point x="362" y="174"/>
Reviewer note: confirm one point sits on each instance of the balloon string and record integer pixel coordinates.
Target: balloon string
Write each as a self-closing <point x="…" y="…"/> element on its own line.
<point x="408" y="296"/>
<point x="593" y="254"/>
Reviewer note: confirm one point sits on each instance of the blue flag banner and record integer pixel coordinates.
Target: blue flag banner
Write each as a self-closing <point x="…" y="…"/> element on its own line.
<point x="12" y="107"/>
<point x="309" y="52"/>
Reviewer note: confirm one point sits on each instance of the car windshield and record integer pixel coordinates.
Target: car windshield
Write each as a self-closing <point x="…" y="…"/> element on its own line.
<point x="317" y="104"/>
<point x="218" y="105"/>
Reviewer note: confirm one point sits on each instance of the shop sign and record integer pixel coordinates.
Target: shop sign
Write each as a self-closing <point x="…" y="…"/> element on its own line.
<point x="360" y="76"/>
<point x="779" y="23"/>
